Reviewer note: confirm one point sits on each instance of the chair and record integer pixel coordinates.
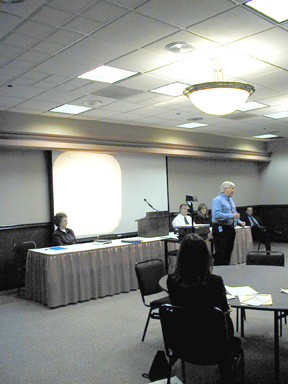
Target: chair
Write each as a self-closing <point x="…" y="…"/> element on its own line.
<point x="265" y="258"/>
<point x="200" y="336"/>
<point x="148" y="274"/>
<point x="20" y="253"/>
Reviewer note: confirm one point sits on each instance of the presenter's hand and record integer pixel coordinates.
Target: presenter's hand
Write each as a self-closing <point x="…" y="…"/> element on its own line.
<point x="243" y="224"/>
<point x="236" y="215"/>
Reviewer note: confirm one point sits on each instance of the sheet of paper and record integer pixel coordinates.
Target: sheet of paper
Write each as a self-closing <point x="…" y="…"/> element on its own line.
<point x="230" y="297"/>
<point x="284" y="290"/>
<point x="241" y="290"/>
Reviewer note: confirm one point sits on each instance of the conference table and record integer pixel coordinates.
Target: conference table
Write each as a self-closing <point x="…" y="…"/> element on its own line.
<point x="264" y="279"/>
<point x="80" y="272"/>
<point x="242" y="245"/>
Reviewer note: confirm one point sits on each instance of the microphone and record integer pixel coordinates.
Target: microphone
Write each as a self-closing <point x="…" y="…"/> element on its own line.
<point x="151" y="205"/>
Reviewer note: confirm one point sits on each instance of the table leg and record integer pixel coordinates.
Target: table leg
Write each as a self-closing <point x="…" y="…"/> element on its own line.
<point x="242" y="315"/>
<point x="276" y="346"/>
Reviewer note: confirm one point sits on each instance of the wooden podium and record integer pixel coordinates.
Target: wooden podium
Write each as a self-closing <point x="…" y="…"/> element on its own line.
<point x="154" y="224"/>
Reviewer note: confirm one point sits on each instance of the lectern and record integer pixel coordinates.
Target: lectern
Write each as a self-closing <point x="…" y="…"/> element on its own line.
<point x="154" y="224"/>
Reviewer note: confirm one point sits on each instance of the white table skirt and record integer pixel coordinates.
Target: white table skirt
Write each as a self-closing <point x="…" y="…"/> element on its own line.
<point x="60" y="277"/>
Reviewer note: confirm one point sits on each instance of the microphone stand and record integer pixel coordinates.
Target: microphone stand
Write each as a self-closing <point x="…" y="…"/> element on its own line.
<point x="191" y="211"/>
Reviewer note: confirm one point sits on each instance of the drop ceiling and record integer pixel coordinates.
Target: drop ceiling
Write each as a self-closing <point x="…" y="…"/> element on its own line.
<point x="47" y="44"/>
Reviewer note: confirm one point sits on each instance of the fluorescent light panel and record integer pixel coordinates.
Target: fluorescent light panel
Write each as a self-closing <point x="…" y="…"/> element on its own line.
<point x="249" y="106"/>
<point x="274" y="9"/>
<point x="266" y="136"/>
<point x="191" y="125"/>
<point x="70" y="109"/>
<point x="279" y="115"/>
<point x="174" y="89"/>
<point x="106" y="74"/>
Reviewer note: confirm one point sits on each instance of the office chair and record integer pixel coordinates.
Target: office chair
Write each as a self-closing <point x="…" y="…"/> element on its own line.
<point x="148" y="274"/>
<point x="265" y="258"/>
<point x="200" y="336"/>
<point x="20" y="253"/>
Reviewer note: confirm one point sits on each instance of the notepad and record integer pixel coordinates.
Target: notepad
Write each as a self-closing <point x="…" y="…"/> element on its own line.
<point x="257" y="300"/>
<point x="132" y="240"/>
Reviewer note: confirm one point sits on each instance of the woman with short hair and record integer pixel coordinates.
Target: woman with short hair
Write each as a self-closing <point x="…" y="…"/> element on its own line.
<point x="62" y="235"/>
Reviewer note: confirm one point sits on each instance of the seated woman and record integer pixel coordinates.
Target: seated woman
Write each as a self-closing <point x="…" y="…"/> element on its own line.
<point x="202" y="216"/>
<point x="193" y="284"/>
<point x="62" y="235"/>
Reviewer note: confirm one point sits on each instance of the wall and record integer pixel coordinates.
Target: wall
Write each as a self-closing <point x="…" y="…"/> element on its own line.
<point x="274" y="179"/>
<point x="204" y="177"/>
<point x="24" y="187"/>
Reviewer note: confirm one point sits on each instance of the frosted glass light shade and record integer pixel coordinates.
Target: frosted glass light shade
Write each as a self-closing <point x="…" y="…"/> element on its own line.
<point x="219" y="97"/>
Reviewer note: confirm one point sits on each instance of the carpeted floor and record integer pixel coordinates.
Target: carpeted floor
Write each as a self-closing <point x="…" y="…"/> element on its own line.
<point x="99" y="342"/>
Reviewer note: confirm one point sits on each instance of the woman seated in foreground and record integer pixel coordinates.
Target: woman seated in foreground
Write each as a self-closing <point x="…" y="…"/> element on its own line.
<point x="193" y="284"/>
<point x="202" y="216"/>
<point x="62" y="235"/>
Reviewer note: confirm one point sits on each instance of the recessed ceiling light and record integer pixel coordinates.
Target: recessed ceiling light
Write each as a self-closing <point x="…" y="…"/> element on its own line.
<point x="70" y="109"/>
<point x="174" y="89"/>
<point x="276" y="10"/>
<point x="180" y="47"/>
<point x="107" y="74"/>
<point x="191" y="125"/>
<point x="266" y="136"/>
<point x="92" y="103"/>
<point x="249" y="106"/>
<point x="279" y="115"/>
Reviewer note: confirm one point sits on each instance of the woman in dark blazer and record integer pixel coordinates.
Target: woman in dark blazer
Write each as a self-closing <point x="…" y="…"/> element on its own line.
<point x="62" y="235"/>
<point x="202" y="216"/>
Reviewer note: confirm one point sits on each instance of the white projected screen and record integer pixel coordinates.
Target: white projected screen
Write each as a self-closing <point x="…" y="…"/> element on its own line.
<point x="104" y="194"/>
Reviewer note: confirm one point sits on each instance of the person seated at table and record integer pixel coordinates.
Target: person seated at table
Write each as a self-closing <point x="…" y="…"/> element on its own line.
<point x="193" y="284"/>
<point x="182" y="219"/>
<point x="259" y="232"/>
<point x="202" y="216"/>
<point x="62" y="235"/>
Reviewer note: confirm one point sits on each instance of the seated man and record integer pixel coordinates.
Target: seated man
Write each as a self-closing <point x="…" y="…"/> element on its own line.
<point x="182" y="220"/>
<point x="259" y="232"/>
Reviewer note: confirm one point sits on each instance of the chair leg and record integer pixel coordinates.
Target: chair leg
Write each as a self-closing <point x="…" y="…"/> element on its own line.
<point x="183" y="371"/>
<point x="170" y="371"/>
<point x="146" y="325"/>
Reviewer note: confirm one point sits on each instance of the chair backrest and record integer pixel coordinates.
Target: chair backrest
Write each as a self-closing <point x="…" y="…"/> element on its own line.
<point x="21" y="250"/>
<point x="195" y="335"/>
<point x="148" y="273"/>
<point x="265" y="258"/>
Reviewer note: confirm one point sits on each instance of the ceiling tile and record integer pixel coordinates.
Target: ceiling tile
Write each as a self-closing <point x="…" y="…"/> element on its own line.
<point x="83" y="24"/>
<point x="216" y="29"/>
<point x="20" y="41"/>
<point x="186" y="12"/>
<point x="8" y="22"/>
<point x="63" y="37"/>
<point x="144" y="82"/>
<point x="21" y="91"/>
<point x="142" y="61"/>
<point x="145" y="30"/>
<point x="104" y="11"/>
<point x="52" y="16"/>
<point x="32" y="28"/>
<point x="9" y="102"/>
<point x="24" y="9"/>
<point x="71" y="5"/>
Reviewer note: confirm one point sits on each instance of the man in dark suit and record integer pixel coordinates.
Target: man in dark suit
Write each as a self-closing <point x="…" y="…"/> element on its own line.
<point x="259" y="232"/>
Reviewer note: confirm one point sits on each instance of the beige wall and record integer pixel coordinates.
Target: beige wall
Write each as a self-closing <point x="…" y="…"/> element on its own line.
<point x="204" y="177"/>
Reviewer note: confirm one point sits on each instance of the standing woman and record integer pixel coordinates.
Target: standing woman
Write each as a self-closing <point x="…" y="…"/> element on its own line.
<point x="62" y="235"/>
